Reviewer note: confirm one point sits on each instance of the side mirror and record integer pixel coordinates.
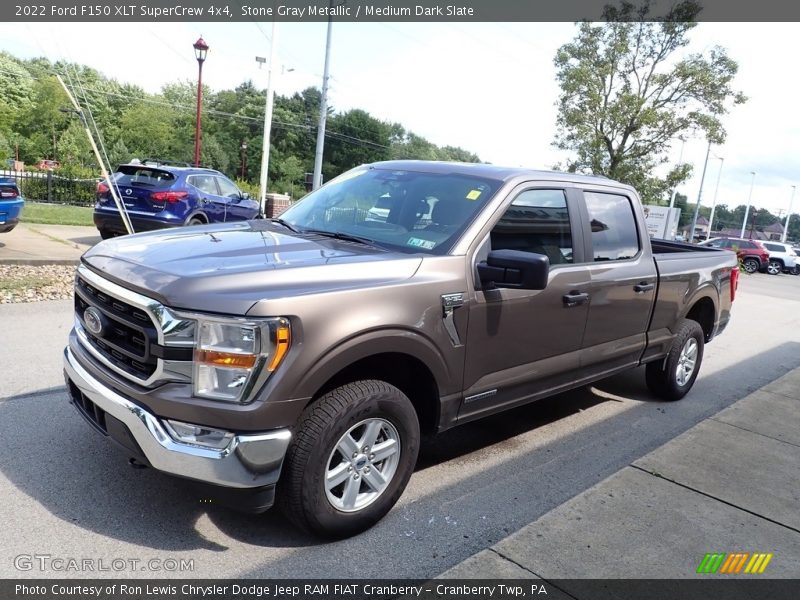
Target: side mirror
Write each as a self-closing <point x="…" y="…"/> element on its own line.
<point x="514" y="269"/>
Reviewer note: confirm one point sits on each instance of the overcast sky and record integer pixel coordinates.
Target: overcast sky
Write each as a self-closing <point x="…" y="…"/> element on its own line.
<point x="487" y="87"/>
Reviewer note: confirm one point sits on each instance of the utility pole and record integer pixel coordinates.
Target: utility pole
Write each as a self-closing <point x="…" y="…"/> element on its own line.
<point x="747" y="209"/>
<point x="268" y="118"/>
<point x="700" y="194"/>
<point x="788" y="216"/>
<point x="323" y="108"/>
<point x="753" y="222"/>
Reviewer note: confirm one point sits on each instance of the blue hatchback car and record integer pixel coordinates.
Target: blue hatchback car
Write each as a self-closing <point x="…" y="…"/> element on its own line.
<point x="160" y="195"/>
<point x="11" y="203"/>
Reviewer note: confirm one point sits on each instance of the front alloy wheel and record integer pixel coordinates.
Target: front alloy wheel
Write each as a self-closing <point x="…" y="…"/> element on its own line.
<point x="686" y="362"/>
<point x="362" y="465"/>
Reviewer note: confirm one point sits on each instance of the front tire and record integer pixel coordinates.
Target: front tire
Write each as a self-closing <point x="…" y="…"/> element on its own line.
<point x="353" y="452"/>
<point x="672" y="378"/>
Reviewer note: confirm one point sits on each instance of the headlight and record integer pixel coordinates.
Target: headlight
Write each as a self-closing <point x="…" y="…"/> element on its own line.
<point x="231" y="356"/>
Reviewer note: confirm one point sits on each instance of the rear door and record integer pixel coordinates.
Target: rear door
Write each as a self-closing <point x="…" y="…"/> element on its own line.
<point x="623" y="283"/>
<point x="522" y="343"/>
<point x="137" y="184"/>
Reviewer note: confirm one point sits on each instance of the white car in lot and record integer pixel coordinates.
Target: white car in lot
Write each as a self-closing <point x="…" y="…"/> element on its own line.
<point x="782" y="258"/>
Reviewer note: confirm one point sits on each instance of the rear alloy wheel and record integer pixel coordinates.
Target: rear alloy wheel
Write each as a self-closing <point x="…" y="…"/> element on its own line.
<point x="196" y="221"/>
<point x="750" y="265"/>
<point x="774" y="267"/>
<point x="350" y="459"/>
<point x="672" y="377"/>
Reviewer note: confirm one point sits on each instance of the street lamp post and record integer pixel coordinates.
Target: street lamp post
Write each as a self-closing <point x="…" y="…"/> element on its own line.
<point x="788" y="216"/>
<point x="716" y="191"/>
<point x="699" y="195"/>
<point x="749" y="198"/>
<point x="200" y="52"/>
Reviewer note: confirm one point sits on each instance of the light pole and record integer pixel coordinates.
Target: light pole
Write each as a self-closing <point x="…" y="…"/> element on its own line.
<point x="268" y="110"/>
<point x="323" y="107"/>
<point x="244" y="158"/>
<point x="200" y="52"/>
<point x="788" y="216"/>
<point x="747" y="210"/>
<point x="716" y="191"/>
<point x="700" y="194"/>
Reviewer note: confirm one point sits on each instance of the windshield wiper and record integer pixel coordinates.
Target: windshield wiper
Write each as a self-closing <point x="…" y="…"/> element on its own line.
<point x="285" y="224"/>
<point x="341" y="235"/>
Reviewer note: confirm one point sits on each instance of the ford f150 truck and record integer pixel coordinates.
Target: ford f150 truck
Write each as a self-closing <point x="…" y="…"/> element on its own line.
<point x="298" y="360"/>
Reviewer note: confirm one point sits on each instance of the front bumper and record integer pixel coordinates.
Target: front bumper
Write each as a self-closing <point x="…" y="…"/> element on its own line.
<point x="249" y="461"/>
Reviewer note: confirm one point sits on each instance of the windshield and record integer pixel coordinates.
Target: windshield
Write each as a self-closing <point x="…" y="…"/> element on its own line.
<point x="400" y="210"/>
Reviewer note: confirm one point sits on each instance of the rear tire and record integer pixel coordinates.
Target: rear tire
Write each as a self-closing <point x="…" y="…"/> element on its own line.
<point x="196" y="221"/>
<point x="672" y="378"/>
<point x="750" y="265"/>
<point x="106" y="234"/>
<point x="332" y="483"/>
<point x="774" y="267"/>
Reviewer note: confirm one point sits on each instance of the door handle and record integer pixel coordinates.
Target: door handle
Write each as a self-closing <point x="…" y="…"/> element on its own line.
<point x="575" y="298"/>
<point x="643" y="287"/>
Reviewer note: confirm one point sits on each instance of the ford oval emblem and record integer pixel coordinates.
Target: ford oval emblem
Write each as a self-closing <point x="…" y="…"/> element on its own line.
<point x="128" y="192"/>
<point x="93" y="320"/>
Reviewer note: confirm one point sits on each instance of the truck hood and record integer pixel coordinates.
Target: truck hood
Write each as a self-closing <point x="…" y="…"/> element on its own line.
<point x="228" y="268"/>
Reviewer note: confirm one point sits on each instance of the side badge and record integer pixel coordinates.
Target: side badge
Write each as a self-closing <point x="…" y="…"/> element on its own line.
<point x="450" y="302"/>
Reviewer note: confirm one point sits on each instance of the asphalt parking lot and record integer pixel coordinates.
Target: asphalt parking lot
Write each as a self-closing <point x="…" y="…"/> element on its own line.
<point x="67" y="494"/>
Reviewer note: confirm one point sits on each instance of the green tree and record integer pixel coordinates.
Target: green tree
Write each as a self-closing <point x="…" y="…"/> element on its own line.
<point x="626" y="94"/>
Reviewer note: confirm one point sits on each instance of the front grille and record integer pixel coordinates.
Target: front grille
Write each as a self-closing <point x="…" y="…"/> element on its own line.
<point x="128" y="336"/>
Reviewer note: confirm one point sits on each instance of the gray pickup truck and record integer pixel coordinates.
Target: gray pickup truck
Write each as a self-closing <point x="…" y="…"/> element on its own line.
<point x="298" y="360"/>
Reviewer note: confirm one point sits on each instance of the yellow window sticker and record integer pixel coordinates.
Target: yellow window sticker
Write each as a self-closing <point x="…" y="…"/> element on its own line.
<point x="474" y="195"/>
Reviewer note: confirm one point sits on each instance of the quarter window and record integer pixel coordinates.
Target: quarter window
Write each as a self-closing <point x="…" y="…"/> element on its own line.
<point x="614" y="233"/>
<point x="537" y="221"/>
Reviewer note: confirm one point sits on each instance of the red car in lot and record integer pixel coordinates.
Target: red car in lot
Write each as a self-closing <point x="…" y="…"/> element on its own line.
<point x="752" y="253"/>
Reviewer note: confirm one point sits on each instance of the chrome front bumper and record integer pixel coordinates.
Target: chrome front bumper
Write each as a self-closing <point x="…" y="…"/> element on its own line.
<point x="249" y="461"/>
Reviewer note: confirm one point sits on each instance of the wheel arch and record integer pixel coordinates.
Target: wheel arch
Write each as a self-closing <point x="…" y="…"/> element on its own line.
<point x="403" y="359"/>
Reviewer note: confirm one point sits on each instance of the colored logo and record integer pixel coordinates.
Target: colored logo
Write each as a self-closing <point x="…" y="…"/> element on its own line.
<point x="734" y="563"/>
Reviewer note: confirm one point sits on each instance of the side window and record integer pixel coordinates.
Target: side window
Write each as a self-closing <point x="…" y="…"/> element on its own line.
<point x="227" y="189"/>
<point x="716" y="244"/>
<point x="537" y="221"/>
<point x="614" y="233"/>
<point x="204" y="183"/>
<point x="773" y="248"/>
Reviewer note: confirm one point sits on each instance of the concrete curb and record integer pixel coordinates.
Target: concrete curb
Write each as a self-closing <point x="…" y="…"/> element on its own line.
<point x="726" y="485"/>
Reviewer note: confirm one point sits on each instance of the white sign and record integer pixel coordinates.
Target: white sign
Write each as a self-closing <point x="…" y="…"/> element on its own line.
<point x="662" y="221"/>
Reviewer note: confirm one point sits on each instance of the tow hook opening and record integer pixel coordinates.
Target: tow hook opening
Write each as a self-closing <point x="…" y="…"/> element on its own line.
<point x="136" y="464"/>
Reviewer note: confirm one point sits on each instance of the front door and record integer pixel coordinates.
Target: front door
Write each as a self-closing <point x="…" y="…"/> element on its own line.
<point x="523" y="343"/>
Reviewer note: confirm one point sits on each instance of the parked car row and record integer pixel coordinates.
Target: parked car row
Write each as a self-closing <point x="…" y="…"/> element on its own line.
<point x="768" y="257"/>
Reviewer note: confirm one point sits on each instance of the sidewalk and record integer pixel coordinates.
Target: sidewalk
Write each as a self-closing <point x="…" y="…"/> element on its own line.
<point x="730" y="484"/>
<point x="34" y="244"/>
